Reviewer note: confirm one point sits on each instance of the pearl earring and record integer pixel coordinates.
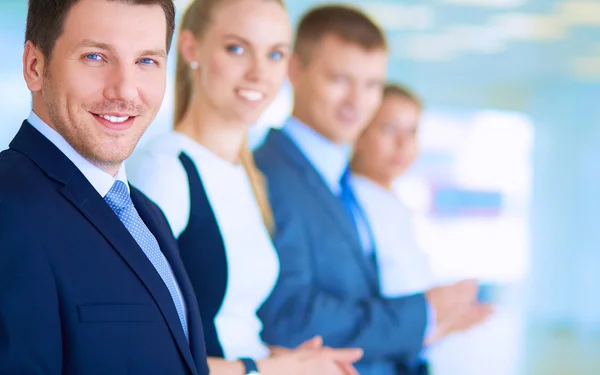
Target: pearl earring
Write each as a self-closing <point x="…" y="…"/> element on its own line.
<point x="194" y="65"/>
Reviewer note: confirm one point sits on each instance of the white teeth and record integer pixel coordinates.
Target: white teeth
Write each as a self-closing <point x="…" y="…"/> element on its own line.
<point x="251" y="95"/>
<point x="115" y="119"/>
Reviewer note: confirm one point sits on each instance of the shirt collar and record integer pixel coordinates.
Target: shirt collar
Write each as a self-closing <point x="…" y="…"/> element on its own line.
<point x="100" y="180"/>
<point x="330" y="160"/>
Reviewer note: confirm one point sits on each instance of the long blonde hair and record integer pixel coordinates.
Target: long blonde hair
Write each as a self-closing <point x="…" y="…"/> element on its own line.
<point x="196" y="19"/>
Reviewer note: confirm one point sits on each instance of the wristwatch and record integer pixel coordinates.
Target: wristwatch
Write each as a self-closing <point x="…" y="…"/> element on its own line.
<point x="250" y="366"/>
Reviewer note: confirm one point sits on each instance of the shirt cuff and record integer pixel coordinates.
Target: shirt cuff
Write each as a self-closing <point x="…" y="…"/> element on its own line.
<point x="429" y="328"/>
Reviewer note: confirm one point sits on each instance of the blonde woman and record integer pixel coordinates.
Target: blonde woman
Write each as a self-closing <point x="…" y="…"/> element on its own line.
<point x="231" y="63"/>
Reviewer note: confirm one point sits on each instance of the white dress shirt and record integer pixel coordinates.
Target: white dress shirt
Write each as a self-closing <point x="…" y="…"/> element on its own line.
<point x="404" y="268"/>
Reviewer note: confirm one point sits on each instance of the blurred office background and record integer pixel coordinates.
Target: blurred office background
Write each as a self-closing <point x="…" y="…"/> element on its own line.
<point x="507" y="189"/>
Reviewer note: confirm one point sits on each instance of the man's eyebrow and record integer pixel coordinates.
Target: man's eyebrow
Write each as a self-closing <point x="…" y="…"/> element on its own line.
<point x="95" y="44"/>
<point x="107" y="47"/>
<point x="155" y="52"/>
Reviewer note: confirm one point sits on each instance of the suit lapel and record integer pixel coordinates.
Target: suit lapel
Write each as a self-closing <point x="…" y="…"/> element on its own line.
<point x="169" y="248"/>
<point x="78" y="190"/>
<point x="328" y="201"/>
<point x="318" y="188"/>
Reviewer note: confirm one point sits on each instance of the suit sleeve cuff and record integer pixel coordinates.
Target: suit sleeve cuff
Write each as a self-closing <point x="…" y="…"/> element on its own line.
<point x="429" y="328"/>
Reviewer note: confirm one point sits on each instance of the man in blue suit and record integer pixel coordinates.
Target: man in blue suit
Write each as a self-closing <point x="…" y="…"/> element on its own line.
<point x="90" y="277"/>
<point x="328" y="283"/>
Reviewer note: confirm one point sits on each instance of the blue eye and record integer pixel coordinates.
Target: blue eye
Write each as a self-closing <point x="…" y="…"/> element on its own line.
<point x="147" y="61"/>
<point x="235" y="49"/>
<point x="93" y="56"/>
<point x="276" y="55"/>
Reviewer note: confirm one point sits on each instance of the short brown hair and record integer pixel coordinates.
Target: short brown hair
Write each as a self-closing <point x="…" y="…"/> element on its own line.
<point x="46" y="18"/>
<point x="394" y="89"/>
<point x="347" y="23"/>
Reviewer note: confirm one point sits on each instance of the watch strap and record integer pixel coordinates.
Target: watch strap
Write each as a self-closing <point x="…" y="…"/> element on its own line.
<point x="250" y="366"/>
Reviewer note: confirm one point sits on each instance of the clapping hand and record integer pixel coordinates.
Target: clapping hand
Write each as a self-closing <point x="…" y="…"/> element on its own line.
<point x="456" y="308"/>
<point x="314" y="354"/>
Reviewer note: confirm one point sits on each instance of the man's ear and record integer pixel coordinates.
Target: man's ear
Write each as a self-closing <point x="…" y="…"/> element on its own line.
<point x="34" y="65"/>
<point x="295" y="67"/>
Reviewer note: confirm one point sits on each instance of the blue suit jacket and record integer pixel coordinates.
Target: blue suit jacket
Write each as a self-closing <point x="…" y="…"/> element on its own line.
<point x="77" y="294"/>
<point x="326" y="286"/>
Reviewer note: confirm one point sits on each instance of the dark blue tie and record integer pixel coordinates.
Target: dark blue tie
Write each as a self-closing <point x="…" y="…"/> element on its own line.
<point x="348" y="199"/>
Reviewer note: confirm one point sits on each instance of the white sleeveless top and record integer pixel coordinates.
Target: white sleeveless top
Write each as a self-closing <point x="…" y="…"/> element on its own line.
<point x="252" y="262"/>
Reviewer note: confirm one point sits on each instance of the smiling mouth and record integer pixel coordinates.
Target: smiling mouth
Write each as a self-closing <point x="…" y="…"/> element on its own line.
<point x="115" y="121"/>
<point x="251" y="95"/>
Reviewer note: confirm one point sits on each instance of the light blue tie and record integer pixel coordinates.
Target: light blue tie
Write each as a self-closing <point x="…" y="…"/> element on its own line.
<point x="119" y="200"/>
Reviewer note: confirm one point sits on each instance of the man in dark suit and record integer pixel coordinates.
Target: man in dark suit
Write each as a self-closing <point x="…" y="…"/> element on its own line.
<point x="90" y="277"/>
<point x="329" y="284"/>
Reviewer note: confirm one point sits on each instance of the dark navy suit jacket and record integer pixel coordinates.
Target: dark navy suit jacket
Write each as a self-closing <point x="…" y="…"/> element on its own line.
<point x="77" y="294"/>
<point x="326" y="286"/>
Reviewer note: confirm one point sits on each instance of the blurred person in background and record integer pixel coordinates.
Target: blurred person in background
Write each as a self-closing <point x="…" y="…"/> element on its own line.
<point x="385" y="150"/>
<point x="329" y="282"/>
<point x="91" y="281"/>
<point x="232" y="60"/>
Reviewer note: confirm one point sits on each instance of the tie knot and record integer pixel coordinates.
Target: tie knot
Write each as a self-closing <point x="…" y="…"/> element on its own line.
<point x="345" y="179"/>
<point x="118" y="197"/>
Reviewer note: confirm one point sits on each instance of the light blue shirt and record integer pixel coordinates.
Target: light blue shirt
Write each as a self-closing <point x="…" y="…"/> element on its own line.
<point x="331" y="160"/>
